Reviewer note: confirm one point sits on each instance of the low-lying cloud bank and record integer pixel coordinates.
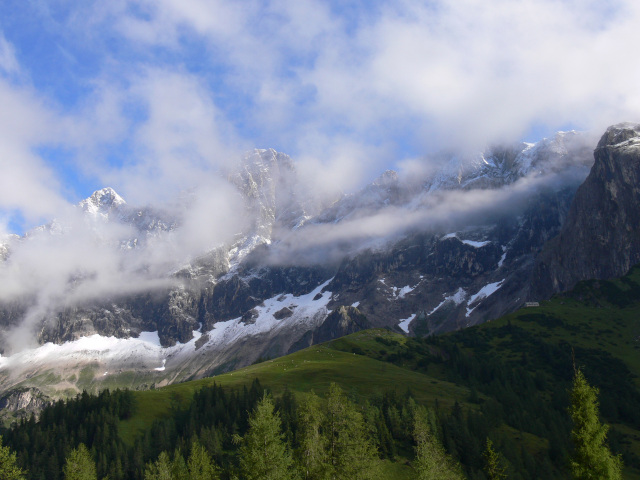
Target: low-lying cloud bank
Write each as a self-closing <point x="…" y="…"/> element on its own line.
<point x="438" y="212"/>
<point x="82" y="257"/>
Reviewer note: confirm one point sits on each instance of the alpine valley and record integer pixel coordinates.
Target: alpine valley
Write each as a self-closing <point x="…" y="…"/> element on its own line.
<point x="456" y="246"/>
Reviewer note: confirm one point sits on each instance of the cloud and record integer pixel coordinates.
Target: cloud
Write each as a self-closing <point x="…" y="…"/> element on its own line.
<point x="80" y="259"/>
<point x="437" y="212"/>
<point x="8" y="61"/>
<point x="181" y="142"/>
<point x="434" y="75"/>
<point x="478" y="72"/>
<point x="322" y="81"/>
<point x="28" y="184"/>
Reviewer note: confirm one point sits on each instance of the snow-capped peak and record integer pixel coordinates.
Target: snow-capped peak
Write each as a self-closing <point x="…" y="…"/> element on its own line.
<point x="102" y="202"/>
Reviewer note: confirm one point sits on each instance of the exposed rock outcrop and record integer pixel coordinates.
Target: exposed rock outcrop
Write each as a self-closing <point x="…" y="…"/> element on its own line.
<point x="341" y="322"/>
<point x="601" y="236"/>
<point x="22" y="402"/>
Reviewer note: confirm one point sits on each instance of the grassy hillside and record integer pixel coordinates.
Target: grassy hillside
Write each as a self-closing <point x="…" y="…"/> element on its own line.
<point x="311" y="369"/>
<point x="596" y="325"/>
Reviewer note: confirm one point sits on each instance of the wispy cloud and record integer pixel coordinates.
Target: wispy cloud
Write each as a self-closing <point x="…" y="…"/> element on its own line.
<point x="8" y="61"/>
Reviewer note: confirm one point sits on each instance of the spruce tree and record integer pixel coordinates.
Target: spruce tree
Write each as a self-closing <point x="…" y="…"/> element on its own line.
<point x="432" y="462"/>
<point x="264" y="454"/>
<point x="591" y="458"/>
<point x="160" y="469"/>
<point x="351" y="451"/>
<point x="9" y="469"/>
<point x="179" y="468"/>
<point x="313" y="445"/>
<point x="79" y="465"/>
<point x="493" y="467"/>
<point x="200" y="465"/>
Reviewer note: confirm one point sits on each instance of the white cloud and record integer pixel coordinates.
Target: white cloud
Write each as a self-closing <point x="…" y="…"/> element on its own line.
<point x="8" y="61"/>
<point x="27" y="184"/>
<point x="483" y="71"/>
<point x="429" y="74"/>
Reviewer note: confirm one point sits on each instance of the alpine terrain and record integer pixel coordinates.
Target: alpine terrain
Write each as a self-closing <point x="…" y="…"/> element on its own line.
<point x="463" y="244"/>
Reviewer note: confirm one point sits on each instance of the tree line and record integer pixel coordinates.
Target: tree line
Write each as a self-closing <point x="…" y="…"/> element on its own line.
<point x="250" y="434"/>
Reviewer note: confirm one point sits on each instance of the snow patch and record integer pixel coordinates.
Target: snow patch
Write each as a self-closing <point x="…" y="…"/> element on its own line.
<point x="146" y="352"/>
<point x="404" y="290"/>
<point x="475" y="244"/>
<point x="150" y="337"/>
<point x="107" y="350"/>
<point x="305" y="310"/>
<point x="456" y="298"/>
<point x="404" y="324"/>
<point x="471" y="243"/>
<point x="484" y="292"/>
<point x="503" y="257"/>
<point x="399" y="292"/>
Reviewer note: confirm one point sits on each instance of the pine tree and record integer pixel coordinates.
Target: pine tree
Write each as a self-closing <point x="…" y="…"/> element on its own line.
<point x="591" y="458"/>
<point x="79" y="465"/>
<point x="350" y="447"/>
<point x="160" y="469"/>
<point x="9" y="469"/>
<point x="179" y="468"/>
<point x="313" y="445"/>
<point x="493" y="467"/>
<point x="432" y="462"/>
<point x="264" y="455"/>
<point x="200" y="465"/>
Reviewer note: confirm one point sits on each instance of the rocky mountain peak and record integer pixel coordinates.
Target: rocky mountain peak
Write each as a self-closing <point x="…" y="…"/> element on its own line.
<point x="102" y="202"/>
<point x="389" y="177"/>
<point x="620" y="135"/>
<point x="268" y="181"/>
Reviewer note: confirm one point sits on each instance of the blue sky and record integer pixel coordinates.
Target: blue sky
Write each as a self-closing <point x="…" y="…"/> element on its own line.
<point x="154" y="96"/>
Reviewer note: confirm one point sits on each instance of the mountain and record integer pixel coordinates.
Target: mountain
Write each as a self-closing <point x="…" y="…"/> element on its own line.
<point x="507" y="380"/>
<point x="423" y="255"/>
<point x="601" y="236"/>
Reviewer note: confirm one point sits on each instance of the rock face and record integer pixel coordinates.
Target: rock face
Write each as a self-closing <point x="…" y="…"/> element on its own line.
<point x="21" y="403"/>
<point x="341" y="322"/>
<point x="601" y="236"/>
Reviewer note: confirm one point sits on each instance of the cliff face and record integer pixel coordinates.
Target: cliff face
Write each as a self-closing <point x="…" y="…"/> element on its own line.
<point x="601" y="236"/>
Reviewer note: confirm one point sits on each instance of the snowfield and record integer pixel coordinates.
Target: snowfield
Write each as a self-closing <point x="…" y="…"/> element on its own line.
<point x="471" y="243"/>
<point x="456" y="298"/>
<point x="404" y="324"/>
<point x="146" y="353"/>
<point x="483" y="293"/>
